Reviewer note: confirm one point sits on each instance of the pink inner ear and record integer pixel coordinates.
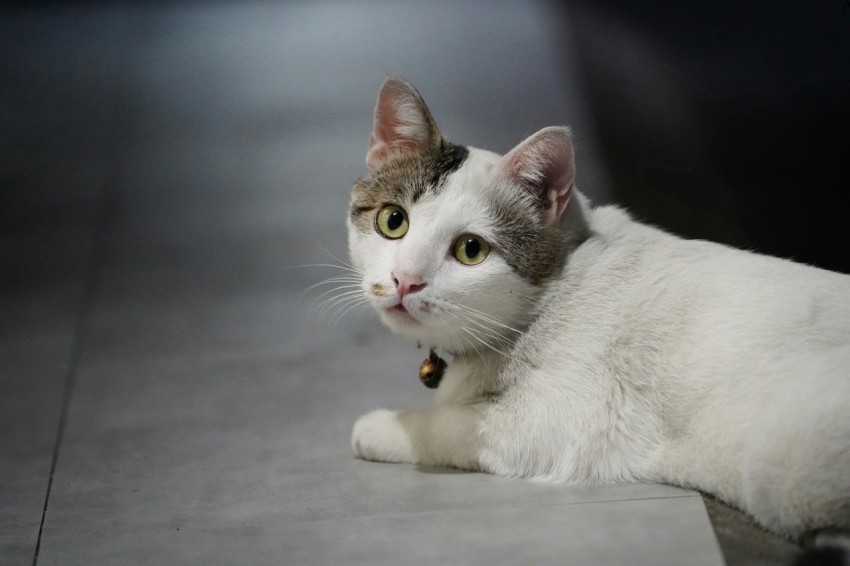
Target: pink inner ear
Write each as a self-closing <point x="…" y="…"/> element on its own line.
<point x="544" y="165"/>
<point x="383" y="133"/>
<point x="387" y="120"/>
<point x="402" y="123"/>
<point x="376" y="155"/>
<point x="560" y="199"/>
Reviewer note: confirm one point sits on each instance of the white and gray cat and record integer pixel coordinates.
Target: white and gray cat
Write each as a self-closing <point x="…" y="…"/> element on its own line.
<point x="587" y="347"/>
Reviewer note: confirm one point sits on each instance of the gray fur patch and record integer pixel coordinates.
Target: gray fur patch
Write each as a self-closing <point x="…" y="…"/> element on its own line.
<point x="404" y="181"/>
<point x="534" y="251"/>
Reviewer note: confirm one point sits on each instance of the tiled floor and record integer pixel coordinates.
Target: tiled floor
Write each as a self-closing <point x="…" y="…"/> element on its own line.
<point x="165" y="170"/>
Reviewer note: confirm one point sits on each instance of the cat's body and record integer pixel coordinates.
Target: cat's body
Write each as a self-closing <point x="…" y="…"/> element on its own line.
<point x="590" y="347"/>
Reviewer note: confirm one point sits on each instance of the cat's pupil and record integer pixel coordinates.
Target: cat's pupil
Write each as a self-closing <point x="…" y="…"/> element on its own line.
<point x="395" y="219"/>
<point x="472" y="248"/>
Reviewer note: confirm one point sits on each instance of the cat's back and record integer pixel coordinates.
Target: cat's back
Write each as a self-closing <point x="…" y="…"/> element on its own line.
<point x="631" y="276"/>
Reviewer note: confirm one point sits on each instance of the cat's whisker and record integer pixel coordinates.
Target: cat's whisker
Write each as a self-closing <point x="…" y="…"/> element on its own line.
<point x="491" y="335"/>
<point x="487" y="318"/>
<point x="458" y="338"/>
<point x="482" y="322"/>
<point x="335" y="279"/>
<point x="343" y="284"/>
<point x="462" y="340"/>
<point x="343" y="292"/>
<point x="479" y="351"/>
<point x="484" y="333"/>
<point x="534" y="301"/>
<point x="342" y="267"/>
<point x="319" y="302"/>
<point x="471" y="309"/>
<point x="465" y="345"/>
<point x="500" y="334"/>
<point x="339" y="301"/>
<point x="343" y="309"/>
<point x="486" y="344"/>
<point x="331" y="302"/>
<point x="342" y="261"/>
<point x="328" y="281"/>
<point x="339" y="287"/>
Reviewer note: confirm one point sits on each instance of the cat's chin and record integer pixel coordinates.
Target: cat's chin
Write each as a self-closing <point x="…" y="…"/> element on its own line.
<point x="399" y="317"/>
<point x="402" y="322"/>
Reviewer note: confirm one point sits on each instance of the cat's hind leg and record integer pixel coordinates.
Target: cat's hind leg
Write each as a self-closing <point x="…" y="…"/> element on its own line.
<point x="796" y="472"/>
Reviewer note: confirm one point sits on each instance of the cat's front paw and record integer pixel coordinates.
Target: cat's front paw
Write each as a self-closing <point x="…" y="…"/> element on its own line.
<point x="380" y="436"/>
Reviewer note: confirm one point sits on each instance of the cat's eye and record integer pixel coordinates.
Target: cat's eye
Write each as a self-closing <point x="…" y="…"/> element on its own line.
<point x="391" y="222"/>
<point x="471" y="249"/>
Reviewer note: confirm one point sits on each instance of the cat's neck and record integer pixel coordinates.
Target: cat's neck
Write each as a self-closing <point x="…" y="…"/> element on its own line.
<point x="473" y="377"/>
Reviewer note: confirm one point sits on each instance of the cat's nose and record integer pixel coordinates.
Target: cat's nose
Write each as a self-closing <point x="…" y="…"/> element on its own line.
<point x="407" y="284"/>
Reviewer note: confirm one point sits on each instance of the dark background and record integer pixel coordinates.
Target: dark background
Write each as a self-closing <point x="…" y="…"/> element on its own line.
<point x="720" y="120"/>
<point x="725" y="120"/>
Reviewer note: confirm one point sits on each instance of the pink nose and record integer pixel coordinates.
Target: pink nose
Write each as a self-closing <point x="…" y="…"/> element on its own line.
<point x="407" y="284"/>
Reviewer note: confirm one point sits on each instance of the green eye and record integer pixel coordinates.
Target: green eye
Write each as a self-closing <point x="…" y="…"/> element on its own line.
<point x="471" y="249"/>
<point x="391" y="222"/>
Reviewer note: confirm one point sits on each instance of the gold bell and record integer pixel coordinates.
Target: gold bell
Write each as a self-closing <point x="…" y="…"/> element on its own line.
<point x="432" y="369"/>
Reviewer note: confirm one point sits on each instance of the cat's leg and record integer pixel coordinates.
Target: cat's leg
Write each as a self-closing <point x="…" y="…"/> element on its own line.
<point x="443" y="436"/>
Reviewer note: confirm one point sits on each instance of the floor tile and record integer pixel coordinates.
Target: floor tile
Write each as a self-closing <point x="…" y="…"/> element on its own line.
<point x="670" y="531"/>
<point x="635" y="532"/>
<point x="38" y="326"/>
<point x="255" y="447"/>
<point x="54" y="122"/>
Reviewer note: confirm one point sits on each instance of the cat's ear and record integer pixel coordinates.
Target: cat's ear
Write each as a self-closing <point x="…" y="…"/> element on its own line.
<point x="403" y="124"/>
<point x="544" y="165"/>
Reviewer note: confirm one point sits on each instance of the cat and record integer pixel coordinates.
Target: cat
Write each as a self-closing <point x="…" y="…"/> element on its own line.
<point x="588" y="347"/>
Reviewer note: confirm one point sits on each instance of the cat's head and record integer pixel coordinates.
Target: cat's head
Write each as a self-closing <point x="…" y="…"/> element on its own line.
<point x="454" y="244"/>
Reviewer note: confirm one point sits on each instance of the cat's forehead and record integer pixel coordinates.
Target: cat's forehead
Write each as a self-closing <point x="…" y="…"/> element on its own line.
<point x="450" y="174"/>
<point x="463" y="198"/>
<point x="474" y="176"/>
<point x="426" y="184"/>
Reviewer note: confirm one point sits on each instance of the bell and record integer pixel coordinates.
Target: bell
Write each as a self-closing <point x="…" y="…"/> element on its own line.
<point x="432" y="369"/>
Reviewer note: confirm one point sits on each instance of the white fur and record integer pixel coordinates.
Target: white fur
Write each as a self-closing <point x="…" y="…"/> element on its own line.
<point x="649" y="358"/>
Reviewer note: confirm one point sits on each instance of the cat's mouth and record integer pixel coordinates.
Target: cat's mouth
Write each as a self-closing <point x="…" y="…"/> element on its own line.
<point x="401" y="312"/>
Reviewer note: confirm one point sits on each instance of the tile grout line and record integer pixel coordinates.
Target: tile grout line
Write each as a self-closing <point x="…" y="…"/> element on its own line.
<point x="85" y="309"/>
<point x="116" y="125"/>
